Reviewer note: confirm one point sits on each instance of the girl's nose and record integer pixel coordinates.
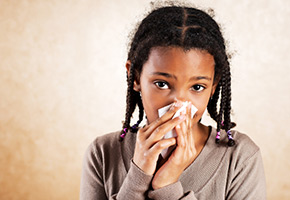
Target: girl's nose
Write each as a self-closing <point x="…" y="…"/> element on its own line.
<point x="180" y="95"/>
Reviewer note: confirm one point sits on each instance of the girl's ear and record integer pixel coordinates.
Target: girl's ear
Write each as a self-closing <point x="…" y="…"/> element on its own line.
<point x="136" y="86"/>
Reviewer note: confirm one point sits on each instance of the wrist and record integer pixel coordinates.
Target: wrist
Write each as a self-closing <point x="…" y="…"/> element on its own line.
<point x="161" y="185"/>
<point x="163" y="181"/>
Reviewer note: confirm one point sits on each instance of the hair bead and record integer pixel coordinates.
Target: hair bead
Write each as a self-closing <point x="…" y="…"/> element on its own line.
<point x="218" y="137"/>
<point x="135" y="126"/>
<point x="123" y="134"/>
<point x="231" y="141"/>
<point x="222" y="123"/>
<point x="229" y="134"/>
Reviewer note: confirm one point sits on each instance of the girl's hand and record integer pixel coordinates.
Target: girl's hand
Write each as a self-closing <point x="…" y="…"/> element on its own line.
<point x="150" y="142"/>
<point x="180" y="158"/>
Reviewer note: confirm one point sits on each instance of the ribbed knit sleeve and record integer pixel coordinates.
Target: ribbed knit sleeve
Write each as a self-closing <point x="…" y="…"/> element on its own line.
<point x="96" y="177"/>
<point x="92" y="184"/>
<point x="135" y="184"/>
<point x="171" y="192"/>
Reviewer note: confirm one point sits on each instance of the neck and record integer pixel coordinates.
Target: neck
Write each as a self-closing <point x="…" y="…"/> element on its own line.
<point x="201" y="134"/>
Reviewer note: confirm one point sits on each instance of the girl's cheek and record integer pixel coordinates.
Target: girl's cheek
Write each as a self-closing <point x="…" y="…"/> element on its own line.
<point x="201" y="106"/>
<point x="151" y="109"/>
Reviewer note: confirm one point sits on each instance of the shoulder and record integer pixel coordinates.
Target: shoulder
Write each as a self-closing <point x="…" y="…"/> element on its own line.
<point x="104" y="144"/>
<point x="244" y="150"/>
<point x="244" y="141"/>
<point x="109" y="139"/>
<point x="108" y="148"/>
<point x="99" y="152"/>
<point x="246" y="171"/>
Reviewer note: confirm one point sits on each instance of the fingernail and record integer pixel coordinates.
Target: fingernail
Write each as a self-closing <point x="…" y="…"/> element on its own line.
<point x="182" y="117"/>
<point x="178" y="126"/>
<point x="183" y="112"/>
<point x="177" y="103"/>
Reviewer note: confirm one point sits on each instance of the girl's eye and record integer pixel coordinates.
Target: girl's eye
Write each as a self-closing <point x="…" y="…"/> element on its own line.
<point x="161" y="85"/>
<point x="198" y="88"/>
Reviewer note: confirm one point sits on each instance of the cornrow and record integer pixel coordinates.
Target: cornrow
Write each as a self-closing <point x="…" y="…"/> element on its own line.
<point x="188" y="28"/>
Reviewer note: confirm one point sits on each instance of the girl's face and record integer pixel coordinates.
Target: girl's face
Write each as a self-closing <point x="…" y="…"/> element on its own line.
<point x="172" y="73"/>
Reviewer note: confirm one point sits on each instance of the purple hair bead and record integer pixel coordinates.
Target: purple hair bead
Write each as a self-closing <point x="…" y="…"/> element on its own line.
<point x="124" y="133"/>
<point x="229" y="134"/>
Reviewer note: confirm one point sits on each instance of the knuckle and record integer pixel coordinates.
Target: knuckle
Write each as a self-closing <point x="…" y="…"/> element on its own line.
<point x="158" y="145"/>
<point x="182" y="145"/>
<point x="141" y="145"/>
<point x="158" y="120"/>
<point x="158" y="129"/>
<point x="145" y="154"/>
<point x="139" y="140"/>
<point x="141" y="132"/>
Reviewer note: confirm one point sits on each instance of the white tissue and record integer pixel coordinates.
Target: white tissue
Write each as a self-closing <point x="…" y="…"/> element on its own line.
<point x="172" y="133"/>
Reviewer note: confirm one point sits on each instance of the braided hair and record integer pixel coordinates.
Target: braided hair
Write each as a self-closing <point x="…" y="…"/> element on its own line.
<point x="187" y="28"/>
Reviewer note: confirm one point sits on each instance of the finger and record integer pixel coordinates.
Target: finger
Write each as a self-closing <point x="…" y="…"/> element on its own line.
<point x="157" y="148"/>
<point x="148" y="129"/>
<point x="191" y="141"/>
<point x="184" y="125"/>
<point x="141" y="132"/>
<point x="160" y="131"/>
<point x="180" y="140"/>
<point x="190" y="137"/>
<point x="145" y="127"/>
<point x="188" y="109"/>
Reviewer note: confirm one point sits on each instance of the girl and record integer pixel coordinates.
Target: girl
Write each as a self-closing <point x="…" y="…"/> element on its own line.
<point x="177" y="55"/>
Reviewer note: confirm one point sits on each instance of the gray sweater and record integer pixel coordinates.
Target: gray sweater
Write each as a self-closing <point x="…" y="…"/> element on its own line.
<point x="219" y="172"/>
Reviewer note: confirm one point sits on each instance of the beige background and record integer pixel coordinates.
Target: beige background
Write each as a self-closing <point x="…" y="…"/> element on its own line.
<point x="62" y="83"/>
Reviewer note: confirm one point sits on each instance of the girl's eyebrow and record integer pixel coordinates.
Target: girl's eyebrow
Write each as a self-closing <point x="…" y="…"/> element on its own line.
<point x="164" y="74"/>
<point x="172" y="76"/>
<point x="200" y="78"/>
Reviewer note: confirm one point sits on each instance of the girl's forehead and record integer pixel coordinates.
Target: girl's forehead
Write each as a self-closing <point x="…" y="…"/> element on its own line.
<point x="176" y="59"/>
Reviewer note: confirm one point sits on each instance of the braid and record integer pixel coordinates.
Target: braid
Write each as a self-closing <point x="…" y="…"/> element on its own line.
<point x="133" y="98"/>
<point x="130" y="106"/>
<point x="227" y="115"/>
<point x="222" y="106"/>
<point x="223" y="118"/>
